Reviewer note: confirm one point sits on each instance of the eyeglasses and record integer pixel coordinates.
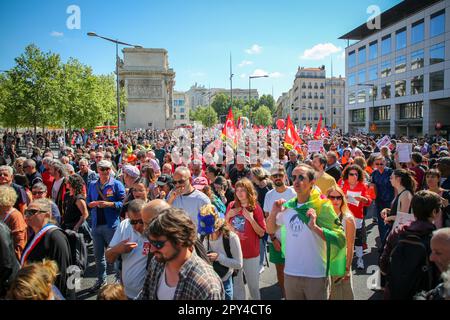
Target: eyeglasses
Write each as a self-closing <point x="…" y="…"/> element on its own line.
<point x="179" y="181"/>
<point x="104" y="169"/>
<point x="135" y="222"/>
<point x="353" y="174"/>
<point x="379" y="164"/>
<point x="34" y="193"/>
<point x="278" y="175"/>
<point x="335" y="198"/>
<point x="99" y="157"/>
<point x="299" y="177"/>
<point x="24" y="167"/>
<point x="31" y="212"/>
<point x="158" y="244"/>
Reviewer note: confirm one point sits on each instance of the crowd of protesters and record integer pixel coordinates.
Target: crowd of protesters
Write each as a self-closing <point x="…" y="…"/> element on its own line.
<point x="199" y="230"/>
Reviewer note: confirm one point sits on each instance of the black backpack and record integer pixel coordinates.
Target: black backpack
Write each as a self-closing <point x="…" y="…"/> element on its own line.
<point x="410" y="270"/>
<point x="220" y="269"/>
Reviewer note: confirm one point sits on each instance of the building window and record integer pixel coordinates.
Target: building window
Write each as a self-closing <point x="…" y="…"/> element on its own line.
<point x="351" y="80"/>
<point x="373" y="50"/>
<point x="417" y="85"/>
<point x="386" y="91"/>
<point x="175" y="116"/>
<point x="358" y="115"/>
<point x="437" y="24"/>
<point x="181" y="110"/>
<point x="400" y="88"/>
<point x="361" y="96"/>
<point x="437" y="80"/>
<point x="362" y="76"/>
<point x="373" y="72"/>
<point x="373" y="93"/>
<point x="413" y="110"/>
<point x="417" y="59"/>
<point x="386" y="45"/>
<point x="351" y="98"/>
<point x="182" y="117"/>
<point x="400" y="64"/>
<point x="362" y="55"/>
<point x="174" y="109"/>
<point x="351" y="59"/>
<point x="400" y="39"/>
<point x="437" y="53"/>
<point x="385" y="69"/>
<point x="382" y="113"/>
<point x="417" y="32"/>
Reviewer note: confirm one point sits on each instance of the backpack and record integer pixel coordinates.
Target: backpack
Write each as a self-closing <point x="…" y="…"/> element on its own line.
<point x="410" y="270"/>
<point x="77" y="246"/>
<point x="220" y="269"/>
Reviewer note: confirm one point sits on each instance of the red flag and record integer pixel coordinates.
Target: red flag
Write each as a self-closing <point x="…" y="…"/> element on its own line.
<point x="229" y="129"/>
<point x="325" y="132"/>
<point x="292" y="139"/>
<point x="319" y="128"/>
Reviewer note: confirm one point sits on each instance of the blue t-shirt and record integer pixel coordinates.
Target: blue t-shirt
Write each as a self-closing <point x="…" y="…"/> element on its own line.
<point x="385" y="190"/>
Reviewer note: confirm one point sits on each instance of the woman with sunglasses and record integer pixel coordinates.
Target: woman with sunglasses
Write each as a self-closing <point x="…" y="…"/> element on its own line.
<point x="342" y="288"/>
<point x="432" y="178"/>
<point x="246" y="219"/>
<point x="357" y="196"/>
<point x="13" y="218"/>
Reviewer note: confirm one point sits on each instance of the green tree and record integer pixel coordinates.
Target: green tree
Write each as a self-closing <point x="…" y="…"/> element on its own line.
<point x="266" y="100"/>
<point x="206" y="115"/>
<point x="221" y="104"/>
<point x="262" y="116"/>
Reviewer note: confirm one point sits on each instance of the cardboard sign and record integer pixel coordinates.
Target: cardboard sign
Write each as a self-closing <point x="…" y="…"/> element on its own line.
<point x="315" y="146"/>
<point x="385" y="141"/>
<point x="404" y="152"/>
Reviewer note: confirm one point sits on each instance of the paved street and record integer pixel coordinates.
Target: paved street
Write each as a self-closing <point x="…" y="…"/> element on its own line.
<point x="268" y="282"/>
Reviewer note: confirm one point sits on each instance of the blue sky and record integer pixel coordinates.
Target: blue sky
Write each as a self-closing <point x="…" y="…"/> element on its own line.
<point x="273" y="37"/>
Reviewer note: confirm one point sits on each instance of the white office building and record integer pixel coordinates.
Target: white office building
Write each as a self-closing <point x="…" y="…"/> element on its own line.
<point x="398" y="76"/>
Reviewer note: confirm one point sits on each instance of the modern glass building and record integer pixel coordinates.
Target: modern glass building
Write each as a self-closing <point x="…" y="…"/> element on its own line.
<point x="398" y="76"/>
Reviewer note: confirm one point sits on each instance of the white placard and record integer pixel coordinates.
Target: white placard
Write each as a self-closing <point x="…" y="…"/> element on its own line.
<point x="315" y="146"/>
<point x="404" y="152"/>
<point x="351" y="197"/>
<point x="385" y="141"/>
<point x="403" y="218"/>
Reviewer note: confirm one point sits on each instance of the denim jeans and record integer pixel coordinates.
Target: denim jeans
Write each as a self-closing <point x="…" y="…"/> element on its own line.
<point x="228" y="286"/>
<point x="382" y="228"/>
<point x="102" y="236"/>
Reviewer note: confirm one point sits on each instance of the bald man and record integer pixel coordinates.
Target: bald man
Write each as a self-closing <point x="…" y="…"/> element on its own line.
<point x="152" y="209"/>
<point x="440" y="249"/>
<point x="185" y="196"/>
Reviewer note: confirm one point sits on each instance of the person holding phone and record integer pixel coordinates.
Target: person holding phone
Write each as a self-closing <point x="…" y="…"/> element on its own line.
<point x="129" y="243"/>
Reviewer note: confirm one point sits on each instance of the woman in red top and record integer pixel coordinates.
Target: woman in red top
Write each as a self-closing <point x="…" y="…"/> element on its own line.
<point x="246" y="219"/>
<point x="352" y="184"/>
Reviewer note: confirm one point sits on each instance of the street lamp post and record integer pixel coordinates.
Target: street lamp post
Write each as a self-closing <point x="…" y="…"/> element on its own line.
<point x="117" y="42"/>
<point x="249" y="91"/>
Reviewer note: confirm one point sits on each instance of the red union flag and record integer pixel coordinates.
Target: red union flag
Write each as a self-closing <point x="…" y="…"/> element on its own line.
<point x="317" y="135"/>
<point x="292" y="139"/>
<point x="229" y="129"/>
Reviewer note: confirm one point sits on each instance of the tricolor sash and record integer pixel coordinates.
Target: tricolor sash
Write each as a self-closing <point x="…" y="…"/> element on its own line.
<point x="37" y="238"/>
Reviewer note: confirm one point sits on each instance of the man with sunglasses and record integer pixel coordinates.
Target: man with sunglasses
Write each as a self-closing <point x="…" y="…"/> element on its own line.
<point x="105" y="199"/>
<point x="176" y="272"/>
<point x="281" y="191"/>
<point x="129" y="243"/>
<point x="185" y="196"/>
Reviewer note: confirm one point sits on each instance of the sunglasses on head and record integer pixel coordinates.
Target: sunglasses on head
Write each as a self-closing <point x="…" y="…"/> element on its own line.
<point x="157" y="244"/>
<point x="299" y="177"/>
<point x="32" y="212"/>
<point x="335" y="197"/>
<point x="135" y="222"/>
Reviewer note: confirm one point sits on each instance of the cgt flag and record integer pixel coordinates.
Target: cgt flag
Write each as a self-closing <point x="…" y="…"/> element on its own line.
<point x="317" y="134"/>
<point x="292" y="139"/>
<point x="229" y="130"/>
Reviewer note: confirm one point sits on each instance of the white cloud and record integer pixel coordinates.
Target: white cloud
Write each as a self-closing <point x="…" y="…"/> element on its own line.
<point x="56" y="34"/>
<point x="245" y="63"/>
<point x="275" y="75"/>
<point x="255" y="49"/>
<point x="259" y="72"/>
<point x="320" y="51"/>
<point x="342" y="55"/>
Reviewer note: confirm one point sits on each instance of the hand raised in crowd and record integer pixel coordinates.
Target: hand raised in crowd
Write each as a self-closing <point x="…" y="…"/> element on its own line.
<point x="311" y="213"/>
<point x="278" y="206"/>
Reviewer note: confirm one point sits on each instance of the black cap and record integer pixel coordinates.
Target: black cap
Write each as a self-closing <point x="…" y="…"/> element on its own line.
<point x="164" y="179"/>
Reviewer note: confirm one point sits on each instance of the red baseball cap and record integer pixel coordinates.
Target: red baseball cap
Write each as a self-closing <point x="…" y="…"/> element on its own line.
<point x="199" y="183"/>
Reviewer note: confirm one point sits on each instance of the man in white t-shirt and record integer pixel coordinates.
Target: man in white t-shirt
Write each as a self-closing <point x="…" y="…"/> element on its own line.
<point x="129" y="243"/>
<point x="305" y="268"/>
<point x="185" y="196"/>
<point x="281" y="191"/>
